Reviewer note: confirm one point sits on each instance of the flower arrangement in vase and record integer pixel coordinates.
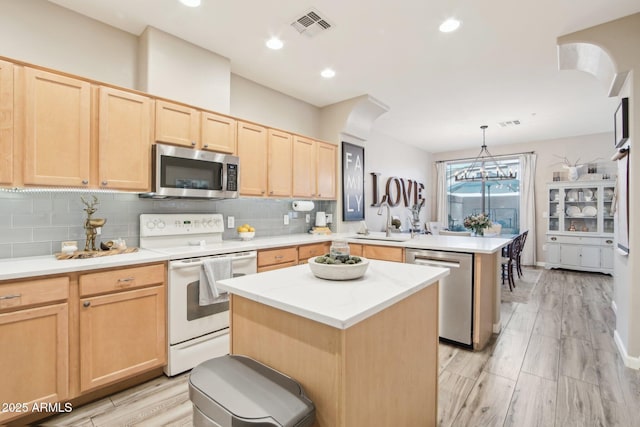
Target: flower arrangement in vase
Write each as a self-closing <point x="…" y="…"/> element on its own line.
<point x="477" y="223"/>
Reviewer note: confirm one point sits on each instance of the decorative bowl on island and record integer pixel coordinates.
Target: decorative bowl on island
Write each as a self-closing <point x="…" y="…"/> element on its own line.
<point x="338" y="271"/>
<point x="246" y="235"/>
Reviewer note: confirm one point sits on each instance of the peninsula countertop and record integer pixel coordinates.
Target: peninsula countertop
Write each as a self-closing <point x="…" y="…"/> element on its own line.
<point x="340" y="304"/>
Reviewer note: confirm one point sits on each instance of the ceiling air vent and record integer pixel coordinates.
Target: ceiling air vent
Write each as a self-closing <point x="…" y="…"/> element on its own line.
<point x="509" y="124"/>
<point x="311" y="23"/>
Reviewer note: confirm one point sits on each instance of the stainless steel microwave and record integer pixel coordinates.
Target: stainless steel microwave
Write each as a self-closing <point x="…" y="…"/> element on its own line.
<point x="188" y="173"/>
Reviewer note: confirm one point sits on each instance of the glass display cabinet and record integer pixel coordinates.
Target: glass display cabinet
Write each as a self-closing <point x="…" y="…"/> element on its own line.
<point x="580" y="225"/>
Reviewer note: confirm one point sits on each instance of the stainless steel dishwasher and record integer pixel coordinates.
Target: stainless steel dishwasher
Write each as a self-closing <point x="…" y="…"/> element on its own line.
<point x="456" y="292"/>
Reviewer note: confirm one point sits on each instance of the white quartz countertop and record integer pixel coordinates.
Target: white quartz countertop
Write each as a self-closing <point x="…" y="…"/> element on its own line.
<point x="16" y="268"/>
<point x="340" y="304"/>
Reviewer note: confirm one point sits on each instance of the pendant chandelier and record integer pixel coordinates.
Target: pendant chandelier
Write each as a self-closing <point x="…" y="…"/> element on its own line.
<point x="485" y="167"/>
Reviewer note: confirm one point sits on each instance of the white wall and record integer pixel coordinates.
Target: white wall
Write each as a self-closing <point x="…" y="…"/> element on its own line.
<point x="550" y="154"/>
<point x="41" y="33"/>
<point x="263" y="105"/>
<point x="172" y="68"/>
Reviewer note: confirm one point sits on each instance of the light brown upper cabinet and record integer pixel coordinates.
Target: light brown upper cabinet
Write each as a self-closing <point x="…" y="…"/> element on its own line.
<point x="279" y="164"/>
<point x="218" y="133"/>
<point x="252" y="150"/>
<point x="6" y="123"/>
<point x="177" y="124"/>
<point x="326" y="171"/>
<point x="314" y="169"/>
<point x="304" y="167"/>
<point x="181" y="125"/>
<point x="124" y="140"/>
<point x="57" y="132"/>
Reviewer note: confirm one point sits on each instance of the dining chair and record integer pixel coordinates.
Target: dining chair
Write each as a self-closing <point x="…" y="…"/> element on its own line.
<point x="508" y="264"/>
<point x="523" y="239"/>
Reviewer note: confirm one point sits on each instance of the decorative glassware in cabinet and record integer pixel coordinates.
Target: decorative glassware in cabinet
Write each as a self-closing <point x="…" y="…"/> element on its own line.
<point x="607" y="209"/>
<point x="554" y="210"/>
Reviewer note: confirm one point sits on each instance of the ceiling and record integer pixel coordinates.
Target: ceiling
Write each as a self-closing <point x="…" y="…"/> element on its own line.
<point x="499" y="66"/>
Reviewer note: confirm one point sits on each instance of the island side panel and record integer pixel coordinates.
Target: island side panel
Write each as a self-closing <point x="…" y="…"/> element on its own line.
<point x="308" y="351"/>
<point x="486" y="283"/>
<point x="381" y="371"/>
<point x="391" y="365"/>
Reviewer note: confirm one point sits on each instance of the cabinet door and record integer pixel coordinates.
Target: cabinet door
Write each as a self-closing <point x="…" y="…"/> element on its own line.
<point x="252" y="150"/>
<point x="570" y="255"/>
<point x="279" y="165"/>
<point x="606" y="257"/>
<point x="326" y="172"/>
<point x="553" y="254"/>
<point x="218" y="133"/>
<point x="124" y="140"/>
<point x="6" y="123"/>
<point x="57" y="129"/>
<point x="177" y="124"/>
<point x="590" y="256"/>
<point x="304" y="167"/>
<point x="34" y="361"/>
<point x="121" y="335"/>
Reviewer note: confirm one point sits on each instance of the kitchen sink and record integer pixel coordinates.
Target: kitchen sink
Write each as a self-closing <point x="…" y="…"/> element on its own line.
<point x="382" y="237"/>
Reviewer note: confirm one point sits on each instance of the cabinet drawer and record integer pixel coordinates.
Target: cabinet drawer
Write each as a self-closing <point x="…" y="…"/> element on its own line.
<point x="33" y="292"/>
<point x="384" y="253"/>
<point x="277" y="256"/>
<point x="309" y="251"/>
<point x="579" y="240"/>
<point x="124" y="278"/>
<point x="277" y="266"/>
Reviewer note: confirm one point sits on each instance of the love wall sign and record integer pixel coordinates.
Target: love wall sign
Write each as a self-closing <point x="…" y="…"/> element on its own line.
<point x="352" y="182"/>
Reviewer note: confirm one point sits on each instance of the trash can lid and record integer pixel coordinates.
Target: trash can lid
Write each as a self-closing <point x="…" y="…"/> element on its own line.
<point x="248" y="389"/>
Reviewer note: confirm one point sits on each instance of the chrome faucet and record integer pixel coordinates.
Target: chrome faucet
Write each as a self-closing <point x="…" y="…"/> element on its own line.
<point x="388" y="225"/>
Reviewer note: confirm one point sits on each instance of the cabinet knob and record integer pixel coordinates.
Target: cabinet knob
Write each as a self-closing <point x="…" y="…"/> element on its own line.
<point x="609" y="241"/>
<point x="193" y="143"/>
<point x="104" y="183"/>
<point x="85" y="182"/>
<point x="554" y="238"/>
<point x="271" y="193"/>
<point x="262" y="192"/>
<point x="206" y="145"/>
<point x="319" y="195"/>
<point x="86" y="303"/>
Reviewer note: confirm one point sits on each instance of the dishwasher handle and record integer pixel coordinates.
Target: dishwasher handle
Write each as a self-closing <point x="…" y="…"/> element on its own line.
<point x="422" y="260"/>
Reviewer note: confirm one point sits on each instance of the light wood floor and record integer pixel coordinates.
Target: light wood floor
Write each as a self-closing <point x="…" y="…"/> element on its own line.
<point x="554" y="364"/>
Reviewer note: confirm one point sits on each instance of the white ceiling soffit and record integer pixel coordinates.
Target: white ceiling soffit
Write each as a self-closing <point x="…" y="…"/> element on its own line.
<point x="591" y="59"/>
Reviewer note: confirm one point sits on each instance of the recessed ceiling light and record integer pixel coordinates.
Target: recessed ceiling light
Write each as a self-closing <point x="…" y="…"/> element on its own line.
<point x="327" y="73"/>
<point x="190" y="3"/>
<point x="274" y="43"/>
<point x="449" y="25"/>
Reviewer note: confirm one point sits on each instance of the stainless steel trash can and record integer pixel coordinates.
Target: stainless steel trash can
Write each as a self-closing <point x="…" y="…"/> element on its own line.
<point x="237" y="391"/>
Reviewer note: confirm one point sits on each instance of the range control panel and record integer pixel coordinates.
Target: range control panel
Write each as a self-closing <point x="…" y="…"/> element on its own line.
<point x="180" y="224"/>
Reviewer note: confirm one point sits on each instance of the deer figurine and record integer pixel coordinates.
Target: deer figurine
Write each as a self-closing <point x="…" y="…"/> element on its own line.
<point x="91" y="224"/>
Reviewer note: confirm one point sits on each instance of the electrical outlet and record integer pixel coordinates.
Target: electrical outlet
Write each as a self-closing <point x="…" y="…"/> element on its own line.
<point x="307" y="218"/>
<point x="231" y="222"/>
<point x="329" y="218"/>
<point x="286" y="219"/>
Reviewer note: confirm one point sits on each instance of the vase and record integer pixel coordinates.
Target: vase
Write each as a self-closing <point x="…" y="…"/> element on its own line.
<point x="480" y="232"/>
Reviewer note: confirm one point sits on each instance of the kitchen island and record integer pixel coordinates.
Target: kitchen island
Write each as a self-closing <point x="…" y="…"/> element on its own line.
<point x="365" y="350"/>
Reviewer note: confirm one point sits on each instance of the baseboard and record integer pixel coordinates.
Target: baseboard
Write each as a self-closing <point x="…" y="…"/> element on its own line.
<point x="541" y="264"/>
<point x="497" y="327"/>
<point x="614" y="307"/>
<point x="629" y="361"/>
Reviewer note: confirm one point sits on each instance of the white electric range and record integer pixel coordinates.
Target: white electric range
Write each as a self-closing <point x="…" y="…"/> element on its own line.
<point x="196" y="333"/>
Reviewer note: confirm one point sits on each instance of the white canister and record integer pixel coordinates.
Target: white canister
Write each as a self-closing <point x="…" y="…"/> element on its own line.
<point x="321" y="219"/>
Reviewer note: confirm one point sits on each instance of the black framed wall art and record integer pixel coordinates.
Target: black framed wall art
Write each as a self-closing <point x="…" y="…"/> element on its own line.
<point x="621" y="123"/>
<point x="352" y="182"/>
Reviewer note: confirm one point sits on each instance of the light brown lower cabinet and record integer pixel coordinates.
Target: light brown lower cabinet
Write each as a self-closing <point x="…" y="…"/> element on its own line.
<point x="121" y="334"/>
<point x="66" y="336"/>
<point x="34" y="345"/>
<point x="383" y="253"/>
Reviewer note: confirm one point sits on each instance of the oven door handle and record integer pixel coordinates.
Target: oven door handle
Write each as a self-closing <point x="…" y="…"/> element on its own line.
<point x="175" y="265"/>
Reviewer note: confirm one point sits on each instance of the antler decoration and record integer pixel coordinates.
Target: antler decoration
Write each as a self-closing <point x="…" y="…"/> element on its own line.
<point x="90" y="206"/>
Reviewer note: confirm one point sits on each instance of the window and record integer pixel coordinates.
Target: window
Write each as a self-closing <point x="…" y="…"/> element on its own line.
<point x="500" y="199"/>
